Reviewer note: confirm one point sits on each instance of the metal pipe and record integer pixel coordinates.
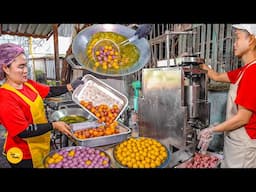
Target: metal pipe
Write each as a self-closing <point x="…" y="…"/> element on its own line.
<point x="167" y="48"/>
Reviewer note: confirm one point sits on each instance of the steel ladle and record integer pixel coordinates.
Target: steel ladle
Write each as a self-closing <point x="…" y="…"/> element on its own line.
<point x="108" y="42"/>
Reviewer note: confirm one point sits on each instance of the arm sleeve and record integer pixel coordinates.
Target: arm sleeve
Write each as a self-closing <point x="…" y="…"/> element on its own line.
<point x="36" y="130"/>
<point x="57" y="90"/>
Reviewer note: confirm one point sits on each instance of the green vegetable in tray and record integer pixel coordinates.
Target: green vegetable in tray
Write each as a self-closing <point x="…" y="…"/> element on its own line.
<point x="73" y="119"/>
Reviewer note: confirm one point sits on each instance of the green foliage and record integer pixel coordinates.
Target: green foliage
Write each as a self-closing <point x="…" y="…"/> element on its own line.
<point x="40" y="76"/>
<point x="51" y="82"/>
<point x="38" y="73"/>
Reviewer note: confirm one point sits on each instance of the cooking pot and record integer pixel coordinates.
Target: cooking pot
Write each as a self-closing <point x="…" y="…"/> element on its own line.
<point x="65" y="111"/>
<point x="81" y="40"/>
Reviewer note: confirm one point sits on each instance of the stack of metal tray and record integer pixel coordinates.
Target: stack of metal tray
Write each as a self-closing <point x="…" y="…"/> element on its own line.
<point x="96" y="91"/>
<point x="100" y="140"/>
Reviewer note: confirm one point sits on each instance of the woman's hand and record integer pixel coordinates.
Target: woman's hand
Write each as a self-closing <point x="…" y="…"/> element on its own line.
<point x="143" y="30"/>
<point x="73" y="85"/>
<point x="77" y="82"/>
<point x="62" y="127"/>
<point x="205" y="67"/>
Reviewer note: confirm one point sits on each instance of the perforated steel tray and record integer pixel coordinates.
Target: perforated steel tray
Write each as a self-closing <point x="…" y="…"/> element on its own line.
<point x="96" y="91"/>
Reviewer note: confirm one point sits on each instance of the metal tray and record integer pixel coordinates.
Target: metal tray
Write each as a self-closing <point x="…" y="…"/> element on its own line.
<point x="69" y="149"/>
<point x="219" y="156"/>
<point x="98" y="92"/>
<point x="102" y="140"/>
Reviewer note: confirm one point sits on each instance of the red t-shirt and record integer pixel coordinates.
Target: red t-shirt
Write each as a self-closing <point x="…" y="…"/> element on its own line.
<point x="246" y="94"/>
<point x="15" y="114"/>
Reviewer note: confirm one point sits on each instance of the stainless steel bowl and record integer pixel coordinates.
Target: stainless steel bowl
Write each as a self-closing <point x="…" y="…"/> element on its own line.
<point x="57" y="115"/>
<point x="46" y="165"/>
<point x="164" y="164"/>
<point x="80" y="42"/>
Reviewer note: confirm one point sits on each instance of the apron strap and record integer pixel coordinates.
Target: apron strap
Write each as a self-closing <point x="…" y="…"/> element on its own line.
<point x="240" y="77"/>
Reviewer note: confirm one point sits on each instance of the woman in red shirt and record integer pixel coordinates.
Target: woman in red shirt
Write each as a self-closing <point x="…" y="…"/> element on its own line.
<point x="240" y="125"/>
<point x="22" y="110"/>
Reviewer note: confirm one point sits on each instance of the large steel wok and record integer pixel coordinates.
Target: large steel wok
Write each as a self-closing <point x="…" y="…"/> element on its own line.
<point x="81" y="40"/>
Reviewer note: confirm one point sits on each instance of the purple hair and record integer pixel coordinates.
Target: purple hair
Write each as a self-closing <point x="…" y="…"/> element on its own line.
<point x="8" y="52"/>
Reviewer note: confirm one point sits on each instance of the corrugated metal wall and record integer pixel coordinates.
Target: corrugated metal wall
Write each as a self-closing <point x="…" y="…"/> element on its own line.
<point x="213" y="42"/>
<point x="46" y="65"/>
<point x="34" y="30"/>
<point x="50" y="69"/>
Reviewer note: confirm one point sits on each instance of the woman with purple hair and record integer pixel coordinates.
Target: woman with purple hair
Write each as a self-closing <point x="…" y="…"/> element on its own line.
<point x="22" y="111"/>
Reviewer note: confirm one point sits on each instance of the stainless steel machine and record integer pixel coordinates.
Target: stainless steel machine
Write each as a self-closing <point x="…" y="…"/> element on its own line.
<point x="174" y="106"/>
